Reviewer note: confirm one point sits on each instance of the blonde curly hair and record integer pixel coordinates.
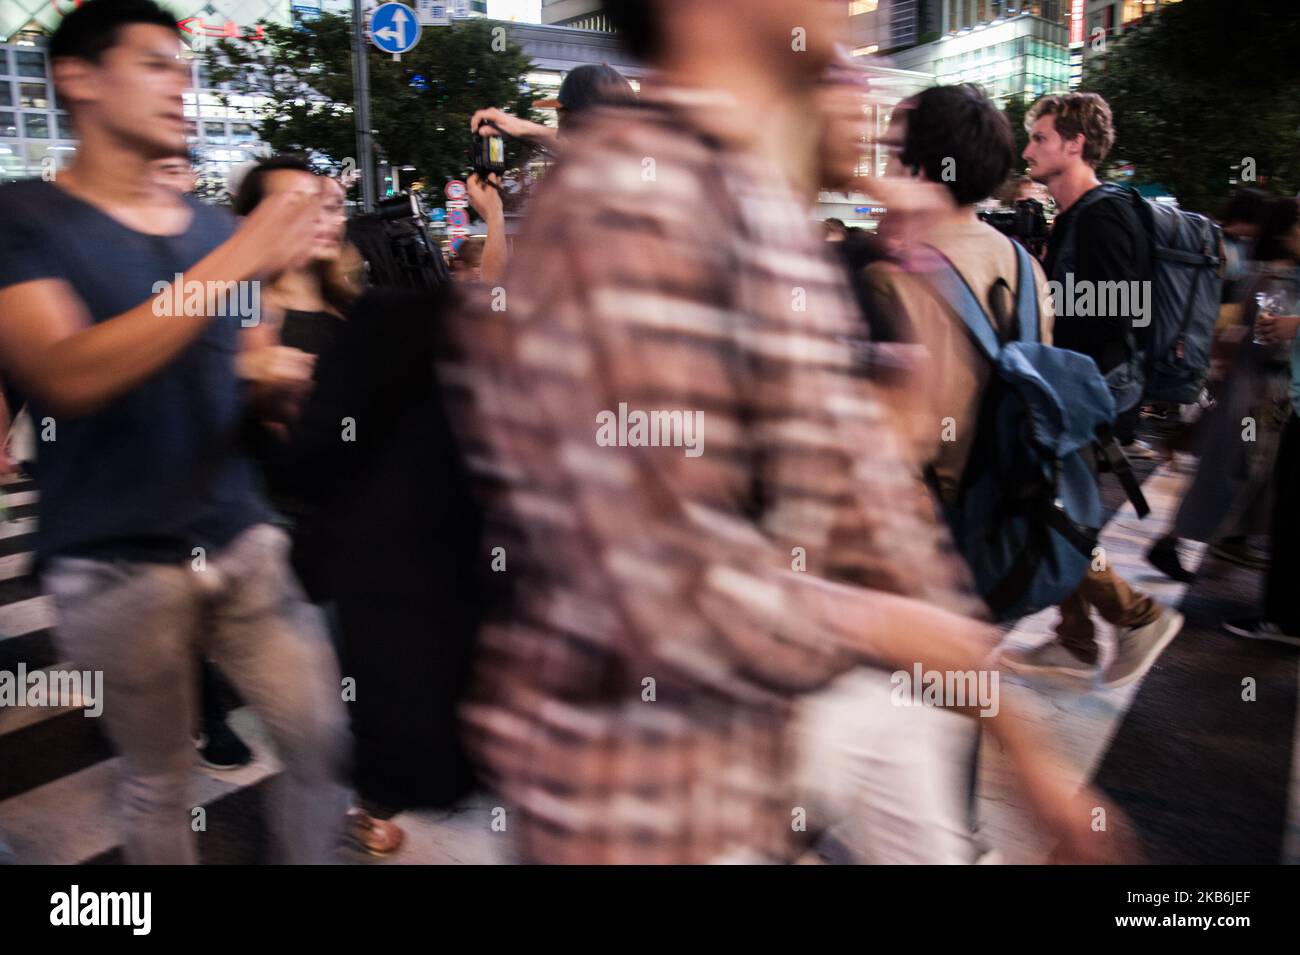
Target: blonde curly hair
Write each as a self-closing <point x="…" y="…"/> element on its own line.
<point x="1076" y="113"/>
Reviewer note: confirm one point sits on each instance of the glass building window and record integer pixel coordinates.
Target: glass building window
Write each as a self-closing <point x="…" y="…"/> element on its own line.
<point x="4" y="62"/>
<point x="214" y="132"/>
<point x="36" y="125"/>
<point x="6" y="93"/>
<point x="29" y="63"/>
<point x="65" y="126"/>
<point x="33" y="95"/>
<point x="1135" y="10"/>
<point x="8" y="125"/>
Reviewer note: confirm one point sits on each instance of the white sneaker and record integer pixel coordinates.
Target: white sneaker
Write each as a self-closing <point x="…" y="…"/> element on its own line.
<point x="1137" y="648"/>
<point x="1050" y="659"/>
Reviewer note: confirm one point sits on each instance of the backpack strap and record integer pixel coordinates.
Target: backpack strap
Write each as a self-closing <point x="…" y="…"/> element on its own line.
<point x="1112" y="451"/>
<point x="1026" y="295"/>
<point x="957" y="293"/>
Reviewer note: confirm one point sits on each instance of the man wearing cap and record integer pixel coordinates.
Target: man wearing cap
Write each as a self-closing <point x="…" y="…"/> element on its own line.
<point x="586" y="86"/>
<point x="583" y="87"/>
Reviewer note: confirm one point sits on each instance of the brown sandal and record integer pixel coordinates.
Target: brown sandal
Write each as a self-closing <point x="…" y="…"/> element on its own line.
<point x="379" y="837"/>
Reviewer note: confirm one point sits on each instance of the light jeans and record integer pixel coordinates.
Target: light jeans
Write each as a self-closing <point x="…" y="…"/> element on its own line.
<point x="146" y="625"/>
<point x="888" y="784"/>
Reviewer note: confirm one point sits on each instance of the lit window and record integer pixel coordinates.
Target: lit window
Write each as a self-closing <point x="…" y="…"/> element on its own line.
<point x="36" y="125"/>
<point x="866" y="50"/>
<point x="862" y="6"/>
<point x="30" y="64"/>
<point x="33" y="95"/>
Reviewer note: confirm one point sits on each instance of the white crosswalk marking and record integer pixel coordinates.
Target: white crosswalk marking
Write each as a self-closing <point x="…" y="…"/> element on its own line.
<point x="1082" y="720"/>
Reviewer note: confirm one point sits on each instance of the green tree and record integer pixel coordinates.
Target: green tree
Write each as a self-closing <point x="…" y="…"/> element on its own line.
<point x="1206" y="95"/>
<point x="420" y="106"/>
<point x="1016" y="107"/>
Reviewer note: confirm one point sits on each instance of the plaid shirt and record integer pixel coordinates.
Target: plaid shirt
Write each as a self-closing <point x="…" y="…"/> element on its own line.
<point x="633" y="703"/>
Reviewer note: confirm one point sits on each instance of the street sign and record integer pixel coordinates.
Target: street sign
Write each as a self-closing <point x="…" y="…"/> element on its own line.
<point x="456" y="190"/>
<point x="394" y="28"/>
<point x="433" y="13"/>
<point x="457" y="203"/>
<point x="458" y="230"/>
<point x="458" y="217"/>
<point x="304" y="11"/>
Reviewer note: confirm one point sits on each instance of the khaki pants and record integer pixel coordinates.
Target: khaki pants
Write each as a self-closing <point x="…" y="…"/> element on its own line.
<point x="1115" y="600"/>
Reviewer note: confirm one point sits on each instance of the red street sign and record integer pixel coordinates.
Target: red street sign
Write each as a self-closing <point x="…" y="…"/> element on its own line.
<point x="228" y="29"/>
<point x="458" y="217"/>
<point x="456" y="190"/>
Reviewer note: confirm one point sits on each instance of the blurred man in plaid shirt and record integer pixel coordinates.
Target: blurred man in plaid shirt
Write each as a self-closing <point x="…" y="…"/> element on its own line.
<point x="753" y="531"/>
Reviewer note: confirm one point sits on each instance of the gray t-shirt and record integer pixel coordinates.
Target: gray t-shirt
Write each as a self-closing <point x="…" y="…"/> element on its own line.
<point x="159" y="470"/>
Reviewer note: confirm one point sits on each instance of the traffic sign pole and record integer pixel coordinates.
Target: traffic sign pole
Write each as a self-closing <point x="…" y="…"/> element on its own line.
<point x="361" y="87"/>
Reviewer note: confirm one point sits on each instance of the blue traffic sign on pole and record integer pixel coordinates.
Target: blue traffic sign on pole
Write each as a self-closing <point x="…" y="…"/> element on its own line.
<point x="394" y="28"/>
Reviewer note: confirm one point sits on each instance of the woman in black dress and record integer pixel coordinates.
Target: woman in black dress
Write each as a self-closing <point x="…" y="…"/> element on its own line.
<point x="386" y="531"/>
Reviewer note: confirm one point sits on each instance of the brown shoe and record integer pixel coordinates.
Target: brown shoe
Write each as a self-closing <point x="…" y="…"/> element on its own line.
<point x="379" y="837"/>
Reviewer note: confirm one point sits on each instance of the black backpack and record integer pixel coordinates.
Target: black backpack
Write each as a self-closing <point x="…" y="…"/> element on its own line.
<point x="1186" y="287"/>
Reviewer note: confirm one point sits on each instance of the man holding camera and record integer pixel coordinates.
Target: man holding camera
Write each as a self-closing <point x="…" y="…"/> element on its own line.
<point x="583" y="88"/>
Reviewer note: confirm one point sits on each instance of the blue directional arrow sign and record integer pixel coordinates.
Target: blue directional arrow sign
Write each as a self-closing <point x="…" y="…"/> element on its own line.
<point x="394" y="28"/>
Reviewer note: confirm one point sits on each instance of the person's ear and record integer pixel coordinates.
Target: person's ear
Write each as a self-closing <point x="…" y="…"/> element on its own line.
<point x="76" y="81"/>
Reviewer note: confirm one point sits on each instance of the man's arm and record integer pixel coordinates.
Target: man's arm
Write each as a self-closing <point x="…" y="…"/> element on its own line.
<point x="73" y="366"/>
<point x="486" y="200"/>
<point x="539" y="135"/>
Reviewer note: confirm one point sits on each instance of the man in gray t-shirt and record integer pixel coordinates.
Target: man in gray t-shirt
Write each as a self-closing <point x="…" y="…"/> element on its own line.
<point x="117" y="297"/>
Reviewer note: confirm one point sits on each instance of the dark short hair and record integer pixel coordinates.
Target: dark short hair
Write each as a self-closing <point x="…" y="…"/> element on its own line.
<point x="638" y="25"/>
<point x="593" y="85"/>
<point x="91" y="30"/>
<point x="1280" y="217"/>
<point x="252" y="189"/>
<point x="1246" y="205"/>
<point x="958" y="130"/>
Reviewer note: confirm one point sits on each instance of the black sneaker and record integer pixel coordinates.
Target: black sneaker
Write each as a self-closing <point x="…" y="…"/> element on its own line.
<point x="1163" y="556"/>
<point x="219" y="748"/>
